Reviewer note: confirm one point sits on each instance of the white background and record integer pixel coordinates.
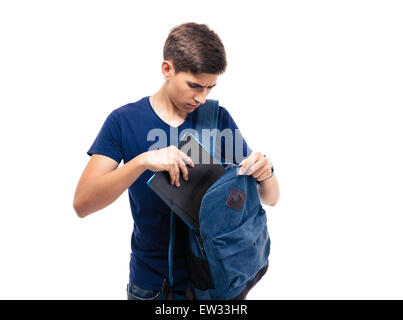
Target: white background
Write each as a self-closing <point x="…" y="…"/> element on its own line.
<point x="317" y="85"/>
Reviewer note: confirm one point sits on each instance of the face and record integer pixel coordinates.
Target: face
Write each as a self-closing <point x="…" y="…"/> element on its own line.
<point x="186" y="89"/>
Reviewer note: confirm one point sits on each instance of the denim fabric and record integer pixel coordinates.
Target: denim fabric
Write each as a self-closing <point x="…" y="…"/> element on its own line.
<point x="134" y="292"/>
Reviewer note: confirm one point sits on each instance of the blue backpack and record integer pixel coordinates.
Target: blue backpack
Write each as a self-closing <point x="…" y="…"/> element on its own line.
<point x="229" y="254"/>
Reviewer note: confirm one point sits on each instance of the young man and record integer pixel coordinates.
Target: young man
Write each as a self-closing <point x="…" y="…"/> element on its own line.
<point x="194" y="57"/>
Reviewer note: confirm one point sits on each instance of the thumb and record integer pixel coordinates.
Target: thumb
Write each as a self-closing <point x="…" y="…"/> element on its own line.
<point x="242" y="169"/>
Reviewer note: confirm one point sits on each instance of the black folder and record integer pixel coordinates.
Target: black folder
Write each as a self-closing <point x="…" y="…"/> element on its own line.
<point x="185" y="200"/>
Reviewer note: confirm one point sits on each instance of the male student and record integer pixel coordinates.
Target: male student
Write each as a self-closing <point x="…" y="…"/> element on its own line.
<point x="194" y="57"/>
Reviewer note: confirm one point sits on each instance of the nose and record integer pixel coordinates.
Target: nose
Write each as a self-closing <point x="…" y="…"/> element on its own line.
<point x="201" y="98"/>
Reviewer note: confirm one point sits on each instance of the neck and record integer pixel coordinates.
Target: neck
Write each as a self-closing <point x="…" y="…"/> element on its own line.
<point x="165" y="108"/>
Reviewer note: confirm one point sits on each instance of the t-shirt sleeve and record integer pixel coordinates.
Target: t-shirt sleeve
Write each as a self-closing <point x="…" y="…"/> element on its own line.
<point x="230" y="133"/>
<point x="108" y="142"/>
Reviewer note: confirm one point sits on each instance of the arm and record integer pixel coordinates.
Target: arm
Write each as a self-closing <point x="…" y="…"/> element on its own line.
<point x="101" y="183"/>
<point x="269" y="191"/>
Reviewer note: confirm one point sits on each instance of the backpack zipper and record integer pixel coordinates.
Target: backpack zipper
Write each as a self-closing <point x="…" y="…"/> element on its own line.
<point x="199" y="240"/>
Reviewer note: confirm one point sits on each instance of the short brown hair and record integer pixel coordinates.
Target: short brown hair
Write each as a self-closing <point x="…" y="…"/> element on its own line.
<point x="195" y="48"/>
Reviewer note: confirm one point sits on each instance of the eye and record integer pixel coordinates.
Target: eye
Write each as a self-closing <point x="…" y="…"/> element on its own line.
<point x="193" y="86"/>
<point x="197" y="87"/>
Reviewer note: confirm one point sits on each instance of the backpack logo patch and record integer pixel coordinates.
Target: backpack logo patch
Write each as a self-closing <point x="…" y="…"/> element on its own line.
<point x="236" y="199"/>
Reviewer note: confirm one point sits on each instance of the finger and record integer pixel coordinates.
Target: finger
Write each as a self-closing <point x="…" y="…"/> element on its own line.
<point x="262" y="170"/>
<point x="171" y="174"/>
<point x="175" y="159"/>
<point x="256" y="166"/>
<point x="254" y="162"/>
<point x="177" y="173"/>
<point x="186" y="159"/>
<point x="248" y="162"/>
<point x="182" y="167"/>
<point x="246" y="165"/>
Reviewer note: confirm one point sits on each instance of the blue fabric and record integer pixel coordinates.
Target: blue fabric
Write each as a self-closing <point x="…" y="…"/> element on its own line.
<point x="134" y="292"/>
<point x="172" y="228"/>
<point x="236" y="242"/>
<point x="123" y="136"/>
<point x="207" y="118"/>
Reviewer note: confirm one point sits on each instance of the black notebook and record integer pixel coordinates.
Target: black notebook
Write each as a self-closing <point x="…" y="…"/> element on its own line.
<point x="185" y="200"/>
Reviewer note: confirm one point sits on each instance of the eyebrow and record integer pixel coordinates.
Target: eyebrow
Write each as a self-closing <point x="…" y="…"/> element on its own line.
<point x="199" y="85"/>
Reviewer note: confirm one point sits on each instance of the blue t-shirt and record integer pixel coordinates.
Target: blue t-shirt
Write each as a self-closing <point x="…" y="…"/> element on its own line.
<point x="123" y="136"/>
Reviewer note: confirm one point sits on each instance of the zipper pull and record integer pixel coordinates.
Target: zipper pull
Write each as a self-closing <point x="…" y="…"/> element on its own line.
<point x="200" y="242"/>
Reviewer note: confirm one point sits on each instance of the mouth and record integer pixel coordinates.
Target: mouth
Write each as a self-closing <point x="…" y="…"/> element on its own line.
<point x="193" y="106"/>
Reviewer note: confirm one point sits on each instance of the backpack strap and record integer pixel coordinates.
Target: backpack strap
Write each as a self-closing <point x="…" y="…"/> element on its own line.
<point x="171" y="246"/>
<point x="207" y="118"/>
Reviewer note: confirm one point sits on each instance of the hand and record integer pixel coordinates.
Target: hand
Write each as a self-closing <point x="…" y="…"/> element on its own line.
<point x="169" y="159"/>
<point x="256" y="165"/>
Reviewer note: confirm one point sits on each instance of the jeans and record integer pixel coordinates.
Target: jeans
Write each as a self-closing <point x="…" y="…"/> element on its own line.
<point x="134" y="292"/>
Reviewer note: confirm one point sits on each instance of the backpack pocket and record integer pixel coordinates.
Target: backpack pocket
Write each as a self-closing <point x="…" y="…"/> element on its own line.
<point x="242" y="252"/>
<point x="199" y="272"/>
<point x="198" y="264"/>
